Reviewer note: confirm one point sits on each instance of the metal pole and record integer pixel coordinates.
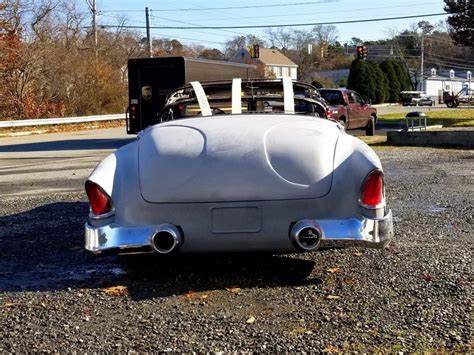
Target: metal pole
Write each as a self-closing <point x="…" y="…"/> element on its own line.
<point x="148" y="36"/>
<point x="422" y="60"/>
<point x="94" y="29"/>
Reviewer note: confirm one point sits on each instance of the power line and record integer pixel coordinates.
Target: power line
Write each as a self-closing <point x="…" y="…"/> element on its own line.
<point x="248" y="6"/>
<point x="464" y="61"/>
<point x="282" y="25"/>
<point x="190" y="23"/>
<point x="189" y="39"/>
<point x="447" y="63"/>
<point x="310" y="14"/>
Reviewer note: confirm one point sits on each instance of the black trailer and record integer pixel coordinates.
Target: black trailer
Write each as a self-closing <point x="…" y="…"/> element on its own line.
<point x="150" y="80"/>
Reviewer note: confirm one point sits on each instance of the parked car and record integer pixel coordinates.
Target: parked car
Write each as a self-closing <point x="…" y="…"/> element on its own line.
<point x="351" y="109"/>
<point x="223" y="173"/>
<point x="415" y="98"/>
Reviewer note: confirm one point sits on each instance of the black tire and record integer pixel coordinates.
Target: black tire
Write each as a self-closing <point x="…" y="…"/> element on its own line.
<point x="450" y="104"/>
<point x="370" y="128"/>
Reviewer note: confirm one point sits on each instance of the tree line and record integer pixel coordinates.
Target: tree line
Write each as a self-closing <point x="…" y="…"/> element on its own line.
<point x="51" y="66"/>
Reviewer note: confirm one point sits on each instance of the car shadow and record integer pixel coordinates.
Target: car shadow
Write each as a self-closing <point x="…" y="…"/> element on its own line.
<point x="70" y="144"/>
<point x="42" y="250"/>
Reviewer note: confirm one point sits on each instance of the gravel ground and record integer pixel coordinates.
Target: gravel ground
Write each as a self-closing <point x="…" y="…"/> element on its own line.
<point x="413" y="296"/>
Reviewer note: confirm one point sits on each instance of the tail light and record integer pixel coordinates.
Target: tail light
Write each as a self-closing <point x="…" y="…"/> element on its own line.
<point x="372" y="193"/>
<point x="328" y="113"/>
<point x="99" y="201"/>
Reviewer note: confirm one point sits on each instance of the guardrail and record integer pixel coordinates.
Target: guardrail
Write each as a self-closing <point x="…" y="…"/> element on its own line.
<point x="63" y="120"/>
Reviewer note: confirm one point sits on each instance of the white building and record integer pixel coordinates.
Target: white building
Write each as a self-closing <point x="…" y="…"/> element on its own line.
<point x="273" y="61"/>
<point x="435" y="84"/>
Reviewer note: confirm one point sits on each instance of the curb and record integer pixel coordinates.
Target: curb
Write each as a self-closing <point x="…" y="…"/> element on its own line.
<point x="451" y="138"/>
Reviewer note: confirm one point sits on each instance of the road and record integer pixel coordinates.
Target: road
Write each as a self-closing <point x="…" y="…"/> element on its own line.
<point x="55" y="297"/>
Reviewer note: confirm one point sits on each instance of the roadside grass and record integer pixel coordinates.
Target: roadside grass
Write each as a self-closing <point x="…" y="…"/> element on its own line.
<point x="447" y="118"/>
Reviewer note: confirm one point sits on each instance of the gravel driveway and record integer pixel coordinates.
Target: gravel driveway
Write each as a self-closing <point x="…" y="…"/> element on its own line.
<point x="413" y="296"/>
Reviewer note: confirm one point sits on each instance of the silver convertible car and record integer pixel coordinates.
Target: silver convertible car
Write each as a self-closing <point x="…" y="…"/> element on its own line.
<point x="238" y="166"/>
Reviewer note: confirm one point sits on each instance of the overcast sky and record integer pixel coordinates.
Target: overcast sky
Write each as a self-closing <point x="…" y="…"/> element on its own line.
<point x="164" y="13"/>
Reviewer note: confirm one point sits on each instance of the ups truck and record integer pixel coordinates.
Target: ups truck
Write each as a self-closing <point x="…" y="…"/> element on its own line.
<point x="151" y="80"/>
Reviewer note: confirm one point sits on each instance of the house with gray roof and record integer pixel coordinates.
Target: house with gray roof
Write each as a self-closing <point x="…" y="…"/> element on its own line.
<point x="275" y="64"/>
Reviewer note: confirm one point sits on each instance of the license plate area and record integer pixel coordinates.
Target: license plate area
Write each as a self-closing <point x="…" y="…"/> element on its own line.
<point x="236" y="220"/>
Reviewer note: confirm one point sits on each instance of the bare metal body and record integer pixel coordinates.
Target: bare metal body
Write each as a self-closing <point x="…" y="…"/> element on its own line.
<point x="276" y="183"/>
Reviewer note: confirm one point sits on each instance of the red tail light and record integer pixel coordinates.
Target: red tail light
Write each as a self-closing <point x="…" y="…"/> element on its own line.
<point x="99" y="200"/>
<point x="372" y="194"/>
<point x="328" y="113"/>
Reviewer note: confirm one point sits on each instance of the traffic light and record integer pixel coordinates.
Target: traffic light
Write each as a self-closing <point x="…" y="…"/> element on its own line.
<point x="360" y="52"/>
<point x="365" y="52"/>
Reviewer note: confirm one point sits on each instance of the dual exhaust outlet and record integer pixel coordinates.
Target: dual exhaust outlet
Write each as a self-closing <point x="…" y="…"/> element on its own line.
<point x="167" y="238"/>
<point x="306" y="235"/>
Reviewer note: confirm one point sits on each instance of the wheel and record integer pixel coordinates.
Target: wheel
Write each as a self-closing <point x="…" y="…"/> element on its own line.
<point x="450" y="104"/>
<point x="370" y="128"/>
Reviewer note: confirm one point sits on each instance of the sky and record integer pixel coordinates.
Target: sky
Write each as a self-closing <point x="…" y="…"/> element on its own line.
<point x="272" y="12"/>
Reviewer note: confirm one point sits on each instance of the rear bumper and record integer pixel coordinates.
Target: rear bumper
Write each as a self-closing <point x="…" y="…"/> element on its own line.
<point x="366" y="232"/>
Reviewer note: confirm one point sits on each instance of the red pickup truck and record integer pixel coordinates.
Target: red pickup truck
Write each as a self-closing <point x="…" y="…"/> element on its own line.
<point x="350" y="108"/>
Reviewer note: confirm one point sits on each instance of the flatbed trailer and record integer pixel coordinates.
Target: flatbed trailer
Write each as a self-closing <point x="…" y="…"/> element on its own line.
<point x="151" y="80"/>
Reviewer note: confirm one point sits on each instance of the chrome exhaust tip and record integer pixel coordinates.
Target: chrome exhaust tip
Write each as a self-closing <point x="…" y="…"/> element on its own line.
<point x="306" y="235"/>
<point x="166" y="238"/>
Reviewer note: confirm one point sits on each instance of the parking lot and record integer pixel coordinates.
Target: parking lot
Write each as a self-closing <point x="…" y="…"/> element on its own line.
<point x="413" y="296"/>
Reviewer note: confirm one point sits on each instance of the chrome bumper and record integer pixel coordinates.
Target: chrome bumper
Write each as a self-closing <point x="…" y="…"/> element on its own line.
<point x="353" y="231"/>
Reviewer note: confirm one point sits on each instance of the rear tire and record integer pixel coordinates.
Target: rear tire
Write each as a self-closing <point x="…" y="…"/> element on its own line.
<point x="370" y="128"/>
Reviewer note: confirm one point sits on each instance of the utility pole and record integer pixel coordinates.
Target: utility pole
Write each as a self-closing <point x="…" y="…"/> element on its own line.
<point x="148" y="36"/>
<point x="94" y="29"/>
<point x="422" y="59"/>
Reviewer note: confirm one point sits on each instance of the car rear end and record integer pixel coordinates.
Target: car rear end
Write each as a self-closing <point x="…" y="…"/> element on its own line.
<point x="220" y="195"/>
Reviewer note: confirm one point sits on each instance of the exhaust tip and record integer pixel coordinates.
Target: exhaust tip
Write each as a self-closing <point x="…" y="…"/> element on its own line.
<point x="166" y="238"/>
<point x="306" y="235"/>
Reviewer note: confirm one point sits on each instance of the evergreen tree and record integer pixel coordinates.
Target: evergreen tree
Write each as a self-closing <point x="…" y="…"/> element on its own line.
<point x="368" y="80"/>
<point x="403" y="77"/>
<point x="461" y="21"/>
<point x="381" y="93"/>
<point x="359" y="79"/>
<point x="394" y="86"/>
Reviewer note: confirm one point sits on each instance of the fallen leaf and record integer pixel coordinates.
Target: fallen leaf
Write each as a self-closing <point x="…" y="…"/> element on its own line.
<point x="330" y="349"/>
<point x="116" y="290"/>
<point x="357" y="253"/>
<point x="196" y="295"/>
<point x="235" y="290"/>
<point x="297" y="331"/>
<point x="426" y="277"/>
<point x="9" y="304"/>
<point x="332" y="297"/>
<point x="250" y="320"/>
<point x="332" y="270"/>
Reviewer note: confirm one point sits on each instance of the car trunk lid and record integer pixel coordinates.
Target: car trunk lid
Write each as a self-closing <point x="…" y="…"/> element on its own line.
<point x="237" y="158"/>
